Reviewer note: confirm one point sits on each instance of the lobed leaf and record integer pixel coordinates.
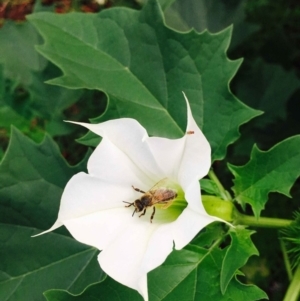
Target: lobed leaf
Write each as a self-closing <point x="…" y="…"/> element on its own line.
<point x="237" y="254"/>
<point x="143" y="67"/>
<point x="274" y="170"/>
<point x="190" y="274"/>
<point x="32" y="178"/>
<point x="209" y="186"/>
<point x="213" y="16"/>
<point x="29" y="266"/>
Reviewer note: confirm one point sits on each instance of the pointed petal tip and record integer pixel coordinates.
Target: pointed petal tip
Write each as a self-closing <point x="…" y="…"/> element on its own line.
<point x="75" y="122"/>
<point x="55" y="226"/>
<point x="44" y="232"/>
<point x="189" y="113"/>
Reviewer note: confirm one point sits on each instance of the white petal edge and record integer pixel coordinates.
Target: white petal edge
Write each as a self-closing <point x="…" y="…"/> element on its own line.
<point x="111" y="164"/>
<point x="129" y="136"/>
<point x="85" y="194"/>
<point x="196" y="157"/>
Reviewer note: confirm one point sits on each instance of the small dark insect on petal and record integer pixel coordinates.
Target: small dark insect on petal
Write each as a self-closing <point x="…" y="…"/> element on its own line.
<point x="190" y="132"/>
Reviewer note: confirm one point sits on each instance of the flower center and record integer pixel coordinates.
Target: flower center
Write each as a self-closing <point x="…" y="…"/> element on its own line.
<point x="162" y="203"/>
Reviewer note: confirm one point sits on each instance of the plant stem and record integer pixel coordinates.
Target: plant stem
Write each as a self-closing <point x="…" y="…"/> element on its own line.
<point x="265" y="222"/>
<point x="293" y="291"/>
<point x="286" y="260"/>
<point x="224" y="194"/>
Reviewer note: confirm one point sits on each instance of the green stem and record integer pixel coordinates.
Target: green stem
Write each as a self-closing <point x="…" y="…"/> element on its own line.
<point x="224" y="194"/>
<point x="293" y="291"/>
<point x="286" y="260"/>
<point x="265" y="222"/>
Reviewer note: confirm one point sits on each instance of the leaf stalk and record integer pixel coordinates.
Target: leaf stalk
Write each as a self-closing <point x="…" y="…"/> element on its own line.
<point x="293" y="291"/>
<point x="223" y="193"/>
<point x="262" y="222"/>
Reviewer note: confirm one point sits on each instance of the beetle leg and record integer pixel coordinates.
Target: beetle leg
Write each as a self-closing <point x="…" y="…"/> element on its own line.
<point x="136" y="189"/>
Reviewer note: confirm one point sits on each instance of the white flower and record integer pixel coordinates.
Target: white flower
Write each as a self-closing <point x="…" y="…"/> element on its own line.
<point x="92" y="205"/>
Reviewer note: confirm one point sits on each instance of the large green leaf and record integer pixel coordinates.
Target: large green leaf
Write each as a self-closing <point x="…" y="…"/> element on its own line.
<point x="272" y="171"/>
<point x="237" y="254"/>
<point x="192" y="274"/>
<point x="32" y="178"/>
<point x="143" y="67"/>
<point x="29" y="266"/>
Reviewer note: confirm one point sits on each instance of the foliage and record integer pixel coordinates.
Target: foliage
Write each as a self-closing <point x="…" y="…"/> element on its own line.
<point x="86" y="60"/>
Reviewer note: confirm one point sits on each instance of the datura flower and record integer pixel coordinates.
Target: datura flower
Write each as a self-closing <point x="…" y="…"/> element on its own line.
<point x="140" y="198"/>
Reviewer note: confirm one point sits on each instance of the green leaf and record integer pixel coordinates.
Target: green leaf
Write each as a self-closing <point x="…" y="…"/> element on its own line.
<point x="267" y="87"/>
<point x="237" y="254"/>
<point x="272" y="171"/>
<point x="25" y="66"/>
<point x="48" y="101"/>
<point x="17" y="51"/>
<point x="212" y="15"/>
<point x="209" y="186"/>
<point x="146" y="79"/>
<point x="107" y="290"/>
<point x="207" y="236"/>
<point x="164" y="4"/>
<point x="15" y="109"/>
<point x="29" y="266"/>
<point x="24" y="106"/>
<point x="192" y="274"/>
<point x="32" y="179"/>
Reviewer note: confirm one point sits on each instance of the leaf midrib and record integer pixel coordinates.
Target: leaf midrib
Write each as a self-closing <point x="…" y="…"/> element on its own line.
<point x="160" y="106"/>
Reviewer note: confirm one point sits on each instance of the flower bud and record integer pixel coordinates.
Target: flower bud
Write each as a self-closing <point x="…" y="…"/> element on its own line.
<point x="217" y="207"/>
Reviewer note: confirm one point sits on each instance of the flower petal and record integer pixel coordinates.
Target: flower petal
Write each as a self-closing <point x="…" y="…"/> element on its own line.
<point x="101" y="228"/>
<point x="124" y="263"/>
<point x="192" y="195"/>
<point x="185" y="159"/>
<point x="109" y="163"/>
<point x="129" y="136"/>
<point x="160" y="245"/>
<point x="181" y="231"/>
<point x="85" y="195"/>
<point x="187" y="225"/>
<point x="196" y="157"/>
<point x="123" y="239"/>
<point x="167" y="154"/>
